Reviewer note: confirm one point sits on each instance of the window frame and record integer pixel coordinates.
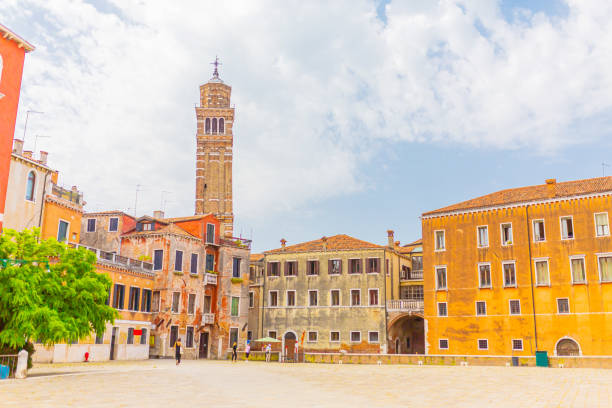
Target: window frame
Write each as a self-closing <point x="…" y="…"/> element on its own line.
<point x="331" y="340"/>
<point x="32" y="190"/>
<point x="331" y="297"/>
<point x="176" y="256"/>
<point x="439" y="267"/>
<point x="368" y="271"/>
<point x="480" y="286"/>
<point x="607" y="224"/>
<point x="251" y="299"/>
<point x="270" y="298"/>
<point x="483" y="348"/>
<point x="563" y="218"/>
<point x="115" y="286"/>
<point x="535" y="270"/>
<point x="478" y="243"/>
<point x="294" y="298"/>
<point x="514" y="348"/>
<point x="214" y="233"/>
<point x="315" y="264"/>
<point x="351" y="336"/>
<point x="316" y="333"/>
<point x="501" y="231"/>
<point x="359" y="263"/>
<point x="294" y="266"/>
<point x="583" y="257"/>
<point x="484" y="302"/>
<point x="513" y="263"/>
<point x="197" y="263"/>
<point x="329" y="270"/>
<point x="237" y="335"/>
<point x="189" y="296"/>
<point x="59" y="223"/>
<point x="110" y="222"/>
<point x="358" y="290"/>
<point x="316" y="291"/>
<point x="533" y="226"/>
<point x="138" y="300"/>
<point x="568" y="306"/>
<point x="272" y="331"/>
<point x="442" y="249"/>
<point x="149" y="303"/>
<point x="370" y="297"/>
<point x="161" y="261"/>
<point x="377" y="341"/>
<point x="599" y="256"/>
<point x="130" y="336"/>
<point x="440" y="344"/>
<point x="232" y="306"/>
<point x="178" y="303"/>
<point x="236" y="270"/>
<point x="187" y="337"/>
<point x="95" y="225"/>
<point x="520" y="311"/>
<point x="445" y="309"/>
<point x="269" y="268"/>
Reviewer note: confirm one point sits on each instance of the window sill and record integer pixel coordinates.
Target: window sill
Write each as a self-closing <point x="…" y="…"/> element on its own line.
<point x="602" y="236"/>
<point x="485" y="287"/>
<point x="510" y="286"/>
<point x="579" y="283"/>
<point x="483" y="247"/>
<point x="567" y="239"/>
<point x="290" y="276"/>
<point x="313" y="274"/>
<point x="441" y="289"/>
<point x="606" y="281"/>
<point x="194" y="275"/>
<point x="372" y="273"/>
<point x="440" y="250"/>
<point x="543" y="285"/>
<point x="178" y="273"/>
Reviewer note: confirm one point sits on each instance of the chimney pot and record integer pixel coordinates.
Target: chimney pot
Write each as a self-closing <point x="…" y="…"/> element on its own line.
<point x="283" y="242"/>
<point x="74" y="188"/>
<point x="27" y="153"/>
<point x="43" y="157"/>
<point x="18" y="146"/>
<point x="551" y="181"/>
<point x="324" y="239"/>
<point x="158" y="214"/>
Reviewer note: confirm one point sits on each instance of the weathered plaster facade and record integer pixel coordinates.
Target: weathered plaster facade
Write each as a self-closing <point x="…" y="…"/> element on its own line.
<point x="99" y="234"/>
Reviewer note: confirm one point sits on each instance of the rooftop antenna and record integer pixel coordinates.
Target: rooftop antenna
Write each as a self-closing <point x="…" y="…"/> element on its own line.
<point x="138" y="190"/>
<point x="163" y="202"/>
<point x="603" y="168"/>
<point x="36" y="140"/>
<point x="26" y="123"/>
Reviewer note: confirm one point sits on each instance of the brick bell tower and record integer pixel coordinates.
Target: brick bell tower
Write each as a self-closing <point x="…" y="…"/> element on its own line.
<point x="214" y="152"/>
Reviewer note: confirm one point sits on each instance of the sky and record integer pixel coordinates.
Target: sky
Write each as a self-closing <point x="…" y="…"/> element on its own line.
<point x="352" y="116"/>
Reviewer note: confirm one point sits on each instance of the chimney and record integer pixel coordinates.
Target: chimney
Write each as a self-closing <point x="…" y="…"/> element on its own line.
<point x="18" y="146"/>
<point x="324" y="239"/>
<point x="158" y="214"/>
<point x="283" y="242"/>
<point x="397" y="244"/>
<point x="551" y="185"/>
<point x="27" y="154"/>
<point x="390" y="238"/>
<point x="43" y="157"/>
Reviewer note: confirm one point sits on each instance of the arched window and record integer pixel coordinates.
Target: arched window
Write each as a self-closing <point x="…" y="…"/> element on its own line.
<point x="214" y="125"/>
<point x="30" y="186"/>
<point x="221" y="126"/>
<point x="207" y="126"/>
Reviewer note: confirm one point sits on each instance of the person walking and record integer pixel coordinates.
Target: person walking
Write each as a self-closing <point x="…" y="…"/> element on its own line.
<point x="177" y="351"/>
<point x="268" y="352"/>
<point x="234" y="352"/>
<point x="247" y="350"/>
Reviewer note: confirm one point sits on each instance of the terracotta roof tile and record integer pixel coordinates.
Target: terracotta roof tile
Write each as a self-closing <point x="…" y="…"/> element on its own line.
<point x="256" y="257"/>
<point x="169" y="229"/>
<point x="188" y="218"/>
<point x="409" y="248"/>
<point x="337" y="242"/>
<point x="532" y="193"/>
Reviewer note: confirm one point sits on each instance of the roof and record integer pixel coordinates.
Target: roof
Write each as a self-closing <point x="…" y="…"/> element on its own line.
<point x="112" y="212"/>
<point x="411" y="247"/>
<point x="335" y="243"/>
<point x="169" y="229"/>
<point x="548" y="191"/>
<point x="256" y="257"/>
<point x="188" y="218"/>
<point x="8" y="34"/>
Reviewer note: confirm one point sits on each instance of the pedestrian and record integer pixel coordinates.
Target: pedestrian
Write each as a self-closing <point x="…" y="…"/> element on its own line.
<point x="234" y="353"/>
<point x="178" y="351"/>
<point x="268" y="352"/>
<point x="247" y="350"/>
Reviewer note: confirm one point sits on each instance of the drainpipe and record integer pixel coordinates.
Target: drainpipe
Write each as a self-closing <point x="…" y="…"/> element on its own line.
<point x="42" y="203"/>
<point x="385" y="289"/>
<point x="535" y="327"/>
<point x="263" y="298"/>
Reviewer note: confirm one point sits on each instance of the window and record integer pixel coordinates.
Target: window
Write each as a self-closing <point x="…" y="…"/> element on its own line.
<point x="99" y="338"/>
<point x="372" y="265"/>
<point x="214" y="125"/>
<point x="158" y="257"/>
<point x="312" y="267"/>
<point x="509" y="274"/>
<point x="443" y="344"/>
<point x="210" y="263"/>
<point x="273" y="298"/>
<point x="578" y="270"/>
<point x="542" y="278"/>
<point x="62" y="230"/>
<point x="143" y="336"/>
<point x="484" y="275"/>
<point x="176" y="297"/>
<point x="373" y="297"/>
<point x="178" y="261"/>
<point x="251" y="299"/>
<point x="191" y="300"/>
<point x="291" y="298"/>
<point x="91" y="225"/>
<point x="134" y="299"/>
<point x="354" y="265"/>
<point x="173" y="335"/>
<point x="373" y="337"/>
<point x="155" y="302"/>
<point x="355" y="297"/>
<point x="274" y="269"/>
<point x="272" y="333"/>
<point x="538" y="231"/>
<point x="602" y="228"/>
<point x="335" y="297"/>
<point x="130" y="336"/>
<point x="567" y="228"/>
<point x="146" y="226"/>
<point x="313" y="336"/>
<point x="146" y="301"/>
<point x="233" y="336"/>
<point x="118" y="296"/>
<point x="313" y="297"/>
<point x="563" y="306"/>
<point x="605" y="267"/>
<point x="483" y="344"/>
<point x="417" y="263"/>
<point x="189" y="337"/>
<point x="506" y="234"/>
<point x="356" y="337"/>
<point x="515" y="307"/>
<point x="481" y="308"/>
<point x="221" y="126"/>
<point x="207" y="126"/>
<point x="207" y="303"/>
<point x="210" y="233"/>
<point x="483" y="236"/>
<point x="291" y="268"/>
<point x="113" y="224"/>
<point x="334" y="336"/>
<point x="442" y="309"/>
<point x="517" y="344"/>
<point x="440" y="240"/>
<point x="30" y="186"/>
<point x="441" y="278"/>
<point x="236" y="267"/>
<point x="411" y="292"/>
<point x="193" y="265"/>
<point x="235" y="306"/>
<point x="249" y="335"/>
<point x="334" y="267"/>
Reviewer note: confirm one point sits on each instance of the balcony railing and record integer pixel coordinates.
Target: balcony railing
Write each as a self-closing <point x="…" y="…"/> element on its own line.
<point x="236" y="242"/>
<point x="405" y="305"/>
<point x="411" y="275"/>
<point x="210" y="279"/>
<point x="119" y="260"/>
<point x="74" y="196"/>
<point x="208" y="318"/>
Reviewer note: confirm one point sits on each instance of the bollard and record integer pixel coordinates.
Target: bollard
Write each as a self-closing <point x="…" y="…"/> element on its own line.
<point x="22" y="364"/>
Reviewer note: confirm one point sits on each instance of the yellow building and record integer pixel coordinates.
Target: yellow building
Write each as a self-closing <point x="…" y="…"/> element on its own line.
<point x="62" y="213"/>
<point x="521" y="270"/>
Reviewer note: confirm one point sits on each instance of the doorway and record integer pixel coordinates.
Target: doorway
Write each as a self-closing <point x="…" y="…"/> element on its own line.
<point x="289" y="346"/>
<point x="114" y="334"/>
<point x="203" y="345"/>
<point x="567" y="347"/>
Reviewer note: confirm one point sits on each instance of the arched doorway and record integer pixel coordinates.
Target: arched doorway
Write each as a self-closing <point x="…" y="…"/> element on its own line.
<point x="289" y="340"/>
<point x="407" y="334"/>
<point x="567" y="347"/>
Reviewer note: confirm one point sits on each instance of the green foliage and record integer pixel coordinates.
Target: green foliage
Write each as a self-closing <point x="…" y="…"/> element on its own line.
<point x="237" y="280"/>
<point x="212" y="272"/>
<point x="55" y="296"/>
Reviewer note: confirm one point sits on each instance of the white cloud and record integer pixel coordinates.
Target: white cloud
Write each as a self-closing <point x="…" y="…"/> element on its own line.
<point x="317" y="87"/>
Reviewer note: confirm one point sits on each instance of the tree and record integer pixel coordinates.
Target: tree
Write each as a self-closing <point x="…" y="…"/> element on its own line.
<point x="49" y="291"/>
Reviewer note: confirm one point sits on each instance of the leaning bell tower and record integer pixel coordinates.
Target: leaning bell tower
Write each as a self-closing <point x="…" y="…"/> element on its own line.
<point x="215" y="140"/>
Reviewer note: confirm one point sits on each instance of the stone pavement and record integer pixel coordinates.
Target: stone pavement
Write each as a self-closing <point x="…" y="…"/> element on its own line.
<point x="159" y="383"/>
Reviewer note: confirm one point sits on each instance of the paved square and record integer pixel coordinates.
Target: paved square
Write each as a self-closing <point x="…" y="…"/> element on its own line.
<point x="159" y="383"/>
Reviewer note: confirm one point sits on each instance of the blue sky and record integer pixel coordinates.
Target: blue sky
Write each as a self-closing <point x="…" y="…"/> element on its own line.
<point x="352" y="117"/>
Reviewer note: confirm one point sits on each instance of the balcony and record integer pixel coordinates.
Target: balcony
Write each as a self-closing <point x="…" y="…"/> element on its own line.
<point x="236" y="242"/>
<point x="119" y="260"/>
<point x="210" y="279"/>
<point x="208" y="318"/>
<point x="411" y="275"/>
<point x="405" y="305"/>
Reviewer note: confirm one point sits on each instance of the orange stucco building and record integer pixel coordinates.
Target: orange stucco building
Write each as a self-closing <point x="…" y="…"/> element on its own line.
<point x="12" y="54"/>
<point x="521" y="270"/>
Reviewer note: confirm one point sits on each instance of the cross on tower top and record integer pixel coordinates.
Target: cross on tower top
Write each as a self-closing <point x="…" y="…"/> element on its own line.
<point x="216" y="63"/>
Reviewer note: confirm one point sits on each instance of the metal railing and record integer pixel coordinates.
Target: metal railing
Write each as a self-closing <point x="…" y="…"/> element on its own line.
<point x="112" y="258"/>
<point x="405" y="305"/>
<point x="210" y="279"/>
<point x="8" y="364"/>
<point x="208" y="318"/>
<point x="236" y="242"/>
<point x="411" y="275"/>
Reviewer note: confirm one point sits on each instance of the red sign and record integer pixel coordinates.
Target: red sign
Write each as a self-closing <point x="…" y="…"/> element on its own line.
<point x="137" y="332"/>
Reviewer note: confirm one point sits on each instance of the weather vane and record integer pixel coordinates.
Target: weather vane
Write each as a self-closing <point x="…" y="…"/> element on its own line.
<point x="216" y="64"/>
